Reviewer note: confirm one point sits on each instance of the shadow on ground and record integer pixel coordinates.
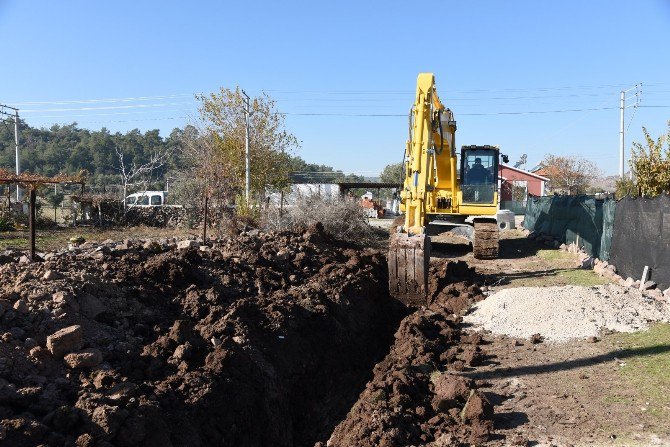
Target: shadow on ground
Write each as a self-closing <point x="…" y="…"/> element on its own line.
<point x="567" y="365"/>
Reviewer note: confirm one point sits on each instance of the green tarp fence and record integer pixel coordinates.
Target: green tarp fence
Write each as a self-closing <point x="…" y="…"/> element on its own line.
<point x="583" y="220"/>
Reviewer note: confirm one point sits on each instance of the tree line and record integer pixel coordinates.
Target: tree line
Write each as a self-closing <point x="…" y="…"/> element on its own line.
<point x="70" y="149"/>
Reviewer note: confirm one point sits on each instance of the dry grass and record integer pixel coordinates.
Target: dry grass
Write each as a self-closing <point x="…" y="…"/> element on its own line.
<point x="343" y="219"/>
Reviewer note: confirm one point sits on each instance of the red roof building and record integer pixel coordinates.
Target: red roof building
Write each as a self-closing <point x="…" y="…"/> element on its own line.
<point x="516" y="184"/>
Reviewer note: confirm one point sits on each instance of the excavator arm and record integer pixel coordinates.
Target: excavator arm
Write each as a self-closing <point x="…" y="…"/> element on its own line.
<point x="409" y="249"/>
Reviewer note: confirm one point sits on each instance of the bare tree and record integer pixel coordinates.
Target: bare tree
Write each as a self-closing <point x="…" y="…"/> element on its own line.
<point x="568" y="174"/>
<point x="133" y="175"/>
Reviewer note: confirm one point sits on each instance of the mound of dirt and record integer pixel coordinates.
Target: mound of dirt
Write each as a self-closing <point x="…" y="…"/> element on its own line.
<point x="416" y="396"/>
<point x="262" y="339"/>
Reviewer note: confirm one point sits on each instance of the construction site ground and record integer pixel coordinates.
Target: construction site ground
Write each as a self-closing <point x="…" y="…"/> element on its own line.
<point x="291" y="339"/>
<point x="609" y="390"/>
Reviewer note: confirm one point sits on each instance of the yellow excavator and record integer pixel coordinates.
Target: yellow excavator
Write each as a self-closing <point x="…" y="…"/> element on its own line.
<point x="438" y="195"/>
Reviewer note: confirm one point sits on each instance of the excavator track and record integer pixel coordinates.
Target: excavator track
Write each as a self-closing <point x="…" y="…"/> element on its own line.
<point x="485" y="245"/>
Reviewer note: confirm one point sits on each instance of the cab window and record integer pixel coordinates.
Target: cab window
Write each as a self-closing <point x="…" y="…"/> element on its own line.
<point x="156" y="200"/>
<point x="143" y="200"/>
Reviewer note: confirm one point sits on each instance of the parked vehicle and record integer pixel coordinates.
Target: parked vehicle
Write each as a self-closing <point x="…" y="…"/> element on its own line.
<point x="147" y="198"/>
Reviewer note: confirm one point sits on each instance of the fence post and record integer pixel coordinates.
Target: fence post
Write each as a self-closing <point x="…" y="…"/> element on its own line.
<point x="31" y="222"/>
<point x="204" y="227"/>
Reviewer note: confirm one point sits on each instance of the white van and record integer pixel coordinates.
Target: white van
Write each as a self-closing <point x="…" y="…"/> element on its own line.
<point x="147" y="198"/>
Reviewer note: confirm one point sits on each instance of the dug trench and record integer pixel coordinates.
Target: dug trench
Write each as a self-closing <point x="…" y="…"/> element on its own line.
<point x="282" y="339"/>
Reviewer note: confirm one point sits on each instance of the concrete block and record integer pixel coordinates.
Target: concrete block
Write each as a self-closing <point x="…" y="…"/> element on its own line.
<point x="65" y="340"/>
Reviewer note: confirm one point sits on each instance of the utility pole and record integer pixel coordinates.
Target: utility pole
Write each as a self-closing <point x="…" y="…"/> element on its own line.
<point x="16" y="141"/>
<point x="247" y="177"/>
<point x="622" y="107"/>
<point x="622" y="131"/>
<point x="16" y="147"/>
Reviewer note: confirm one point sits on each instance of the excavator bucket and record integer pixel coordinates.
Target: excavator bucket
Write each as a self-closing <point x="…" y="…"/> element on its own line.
<point x="408" y="261"/>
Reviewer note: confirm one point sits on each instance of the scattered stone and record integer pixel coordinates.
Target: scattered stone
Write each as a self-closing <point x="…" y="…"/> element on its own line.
<point x="654" y="293"/>
<point x="183" y="352"/>
<point x="592" y="339"/>
<point x="21" y="307"/>
<point x="50" y="275"/>
<point x="649" y="285"/>
<point x="124" y="390"/>
<point x="187" y="245"/>
<point x="87" y="358"/>
<point x="65" y="340"/>
<point x="536" y="338"/>
<point x="587" y="263"/>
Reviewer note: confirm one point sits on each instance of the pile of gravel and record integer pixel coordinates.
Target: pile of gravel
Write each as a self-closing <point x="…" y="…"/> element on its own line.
<point x="568" y="312"/>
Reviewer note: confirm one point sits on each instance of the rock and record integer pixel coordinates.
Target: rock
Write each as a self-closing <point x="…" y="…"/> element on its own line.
<point x="103" y="379"/>
<point x="24" y="260"/>
<point x="654" y="293"/>
<point x="629" y="282"/>
<point x="85" y="440"/>
<point x="649" y="285"/>
<point x="187" y="245"/>
<point x="181" y="331"/>
<point x="451" y="391"/>
<point x="283" y="255"/>
<point x="124" y="390"/>
<point x="50" y="275"/>
<point x="65" y="340"/>
<point x="30" y="343"/>
<point x="87" y="358"/>
<point x="152" y="246"/>
<point x="91" y="306"/>
<point x="587" y="263"/>
<point x="108" y="418"/>
<point x="536" y="338"/>
<point x="477" y="408"/>
<point x="518" y="440"/>
<point x="592" y="339"/>
<point x="611" y="268"/>
<point x="21" y="307"/>
<point x="666" y="292"/>
<point x="183" y="352"/>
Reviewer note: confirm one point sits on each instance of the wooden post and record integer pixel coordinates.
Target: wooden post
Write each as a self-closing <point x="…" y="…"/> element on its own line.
<point x="31" y="222"/>
<point x="204" y="227"/>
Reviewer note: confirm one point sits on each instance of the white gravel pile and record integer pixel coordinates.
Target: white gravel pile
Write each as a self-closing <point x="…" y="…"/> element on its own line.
<point x="563" y="313"/>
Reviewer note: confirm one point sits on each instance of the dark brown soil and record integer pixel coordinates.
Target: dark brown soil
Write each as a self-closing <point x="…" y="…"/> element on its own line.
<point x="416" y="396"/>
<point x="264" y="339"/>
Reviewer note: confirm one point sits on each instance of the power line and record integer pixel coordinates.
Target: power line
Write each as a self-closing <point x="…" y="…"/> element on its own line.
<point x="134" y="106"/>
<point x="110" y="100"/>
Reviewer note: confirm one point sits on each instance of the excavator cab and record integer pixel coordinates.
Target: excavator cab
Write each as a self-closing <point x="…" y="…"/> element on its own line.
<point x="479" y="174"/>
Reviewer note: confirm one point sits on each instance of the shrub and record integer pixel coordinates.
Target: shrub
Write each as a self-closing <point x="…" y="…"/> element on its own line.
<point x="343" y="219"/>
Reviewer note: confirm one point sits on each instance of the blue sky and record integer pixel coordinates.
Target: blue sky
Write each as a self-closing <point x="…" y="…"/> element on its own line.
<point x="339" y="59"/>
